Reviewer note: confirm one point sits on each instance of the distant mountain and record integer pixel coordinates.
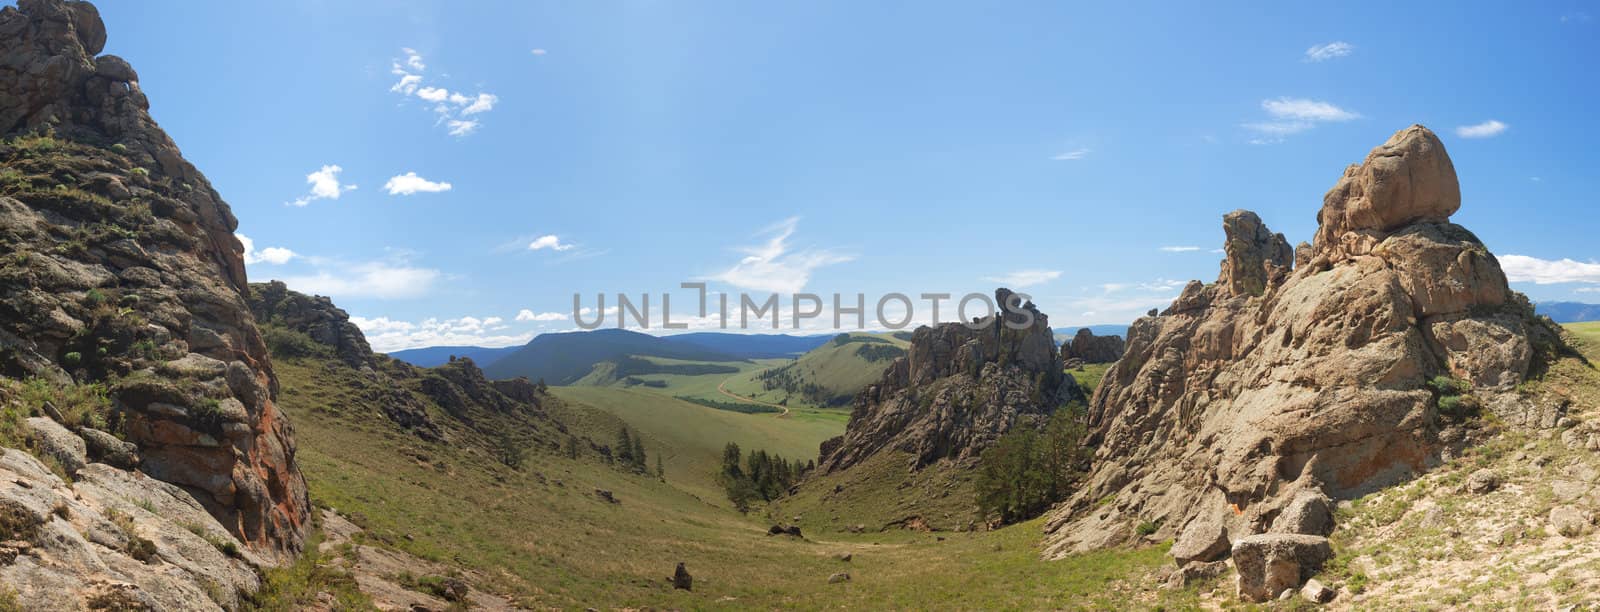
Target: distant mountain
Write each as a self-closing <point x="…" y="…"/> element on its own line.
<point x="561" y="359"/>
<point x="1066" y="333"/>
<point x="435" y="356"/>
<point x="752" y="346"/>
<point x="1569" y="312"/>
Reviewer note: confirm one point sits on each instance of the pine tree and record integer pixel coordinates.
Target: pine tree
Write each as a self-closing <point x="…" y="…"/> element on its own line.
<point x="639" y="463"/>
<point x="572" y="447"/>
<point x="624" y="446"/>
<point x="660" y="472"/>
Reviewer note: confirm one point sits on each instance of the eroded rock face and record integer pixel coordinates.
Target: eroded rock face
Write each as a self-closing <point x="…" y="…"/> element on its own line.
<point x="130" y="273"/>
<point x="1091" y="348"/>
<point x="1279" y="383"/>
<point x="115" y="536"/>
<point x="957" y="391"/>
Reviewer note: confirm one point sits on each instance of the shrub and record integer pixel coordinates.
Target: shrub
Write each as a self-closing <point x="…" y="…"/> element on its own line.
<point x="288" y="344"/>
<point x="1147" y="528"/>
<point x="119" y="148"/>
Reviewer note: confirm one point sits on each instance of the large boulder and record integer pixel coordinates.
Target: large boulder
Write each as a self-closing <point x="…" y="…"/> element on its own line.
<point x="1269" y="564"/>
<point x="1280" y="380"/>
<point x="52" y="440"/>
<point x="1204" y="539"/>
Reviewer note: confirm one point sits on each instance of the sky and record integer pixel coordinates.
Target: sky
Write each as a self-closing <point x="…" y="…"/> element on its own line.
<point x="453" y="173"/>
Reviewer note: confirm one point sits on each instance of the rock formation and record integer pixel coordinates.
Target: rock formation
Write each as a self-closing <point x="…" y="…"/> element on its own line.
<point x="1089" y="348"/>
<point x="315" y="316"/>
<point x="121" y="267"/>
<point x="1238" y="408"/>
<point x="957" y="391"/>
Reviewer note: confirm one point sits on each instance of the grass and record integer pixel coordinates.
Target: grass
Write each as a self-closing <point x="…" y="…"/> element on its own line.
<point x="541" y="536"/>
<point x="838" y="370"/>
<point x="1089" y="376"/>
<point x="690" y="437"/>
<point x="296" y="586"/>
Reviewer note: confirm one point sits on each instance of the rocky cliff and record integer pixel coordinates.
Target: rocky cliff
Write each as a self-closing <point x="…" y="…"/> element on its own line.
<point x="1250" y="402"/>
<point x="121" y="273"/>
<point x="958" y="390"/>
<point x="1089" y="348"/>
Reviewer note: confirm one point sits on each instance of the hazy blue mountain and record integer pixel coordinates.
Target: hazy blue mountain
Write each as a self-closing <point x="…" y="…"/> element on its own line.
<point x="752" y="346"/>
<point x="435" y="356"/>
<point x="563" y="358"/>
<point x="1569" y="312"/>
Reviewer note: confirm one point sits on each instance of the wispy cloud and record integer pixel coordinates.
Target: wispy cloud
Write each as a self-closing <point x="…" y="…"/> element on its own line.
<point x="324" y="186"/>
<point x="529" y="315"/>
<point x="1180" y="249"/>
<point x="1322" y="53"/>
<point x="1288" y="116"/>
<point x="391" y="278"/>
<point x="1072" y="155"/>
<point x="1025" y="278"/>
<point x="452" y="108"/>
<point x="387" y="335"/>
<point x="774" y="265"/>
<point x="1486" y="129"/>
<point x="1578" y="17"/>
<point x="269" y="255"/>
<point x="409" y="183"/>
<point x="549" y="241"/>
<point x="1522" y="268"/>
<point x="539" y="52"/>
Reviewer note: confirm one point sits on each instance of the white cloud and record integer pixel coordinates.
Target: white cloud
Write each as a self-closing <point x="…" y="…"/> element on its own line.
<point x="1292" y="116"/>
<point x="774" y="266"/>
<point x="388" y="335"/>
<point x="1073" y="155"/>
<point x="413" y="60"/>
<point x="539" y="52"/>
<point x="1306" y="110"/>
<point x="1588" y="290"/>
<point x="380" y="280"/>
<point x="529" y="315"/>
<point x="1180" y="249"/>
<point x="1482" y="130"/>
<point x="550" y="241"/>
<point x="451" y="107"/>
<point x="269" y="255"/>
<point x="1522" y="268"/>
<point x="324" y="186"/>
<point x="1321" y="53"/>
<point x="409" y="183"/>
<point x="1025" y="278"/>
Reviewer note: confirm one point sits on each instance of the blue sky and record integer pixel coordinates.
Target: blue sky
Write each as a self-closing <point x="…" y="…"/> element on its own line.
<point x="1087" y="152"/>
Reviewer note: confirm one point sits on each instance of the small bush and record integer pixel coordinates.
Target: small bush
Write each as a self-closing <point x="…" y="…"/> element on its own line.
<point x="289" y="344"/>
<point x="119" y="148"/>
<point x="1147" y="528"/>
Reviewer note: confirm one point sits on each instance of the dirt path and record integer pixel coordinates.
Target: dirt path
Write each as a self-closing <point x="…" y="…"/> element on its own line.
<point x="785" y="409"/>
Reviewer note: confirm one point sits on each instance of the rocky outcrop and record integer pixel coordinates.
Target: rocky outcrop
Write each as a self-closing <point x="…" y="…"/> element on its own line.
<point x="1089" y="348"/>
<point x="958" y="390"/>
<point x="313" y="315"/>
<point x="121" y="266"/>
<point x="1250" y="402"/>
<point x="115" y="540"/>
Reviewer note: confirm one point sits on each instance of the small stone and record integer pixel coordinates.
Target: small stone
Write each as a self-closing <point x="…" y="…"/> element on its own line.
<point x="839" y="577"/>
<point x="1316" y="592"/>
<point x="845" y="557"/>
<point x="1571" y="521"/>
<point x="1482" y="481"/>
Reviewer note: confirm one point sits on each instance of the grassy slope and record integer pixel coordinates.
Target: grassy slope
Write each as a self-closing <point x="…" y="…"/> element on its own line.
<point x="831" y="366"/>
<point x="690" y="436"/>
<point x="704" y="386"/>
<point x="555" y="544"/>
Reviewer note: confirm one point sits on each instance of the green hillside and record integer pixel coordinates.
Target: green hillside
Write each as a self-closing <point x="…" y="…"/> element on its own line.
<point x="828" y="376"/>
<point x="540" y="536"/>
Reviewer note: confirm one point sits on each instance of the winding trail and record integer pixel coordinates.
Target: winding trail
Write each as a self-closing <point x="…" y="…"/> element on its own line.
<point x="720" y="389"/>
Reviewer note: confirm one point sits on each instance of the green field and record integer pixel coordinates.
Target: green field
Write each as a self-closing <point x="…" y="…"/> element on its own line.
<point x="1589" y="334"/>
<point x="690" y="437"/>
<point x="837" y="369"/>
